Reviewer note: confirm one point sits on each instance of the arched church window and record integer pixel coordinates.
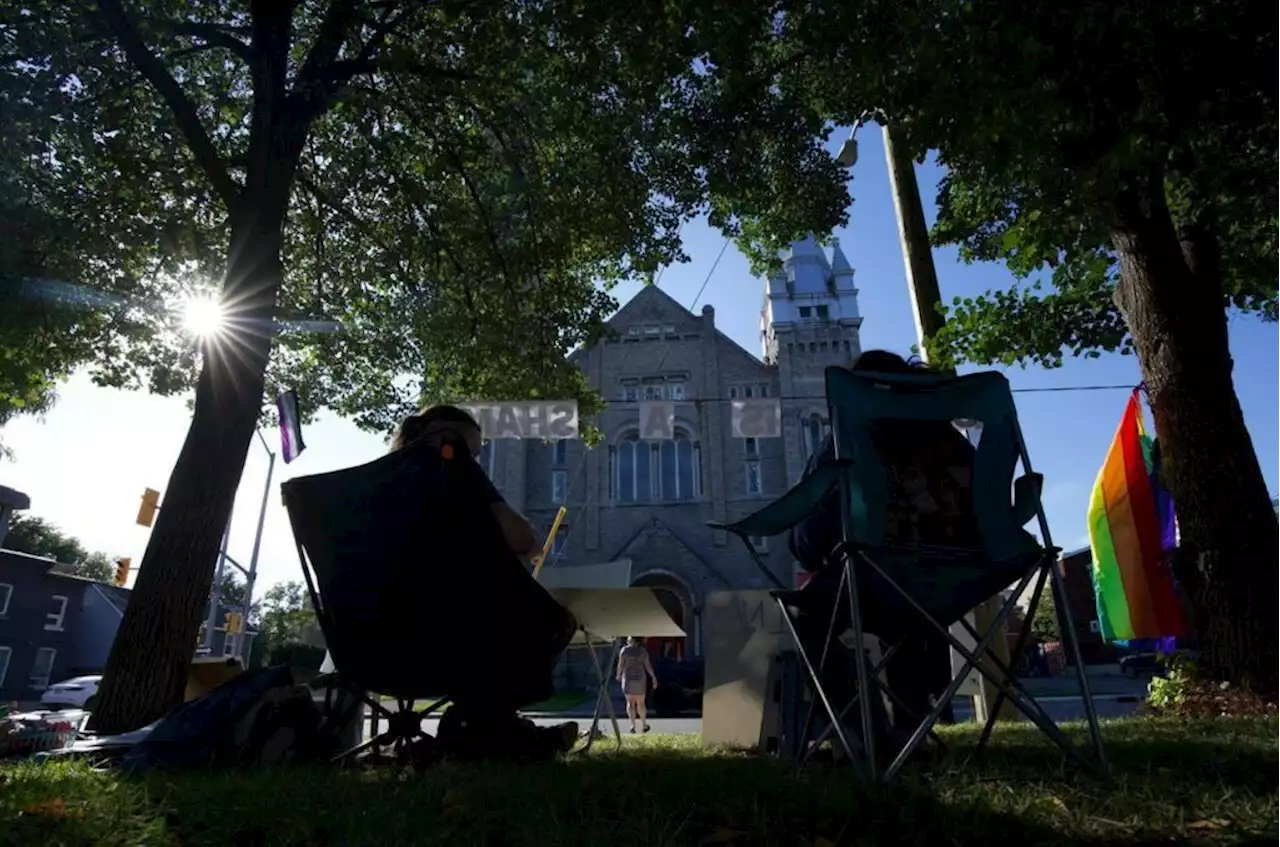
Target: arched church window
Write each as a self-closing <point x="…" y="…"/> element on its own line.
<point x="815" y="429"/>
<point x="634" y="470"/>
<point x="678" y="464"/>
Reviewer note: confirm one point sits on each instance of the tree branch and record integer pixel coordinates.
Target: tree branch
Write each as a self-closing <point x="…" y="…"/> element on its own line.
<point x="214" y="35"/>
<point x="184" y="111"/>
<point x="334" y="28"/>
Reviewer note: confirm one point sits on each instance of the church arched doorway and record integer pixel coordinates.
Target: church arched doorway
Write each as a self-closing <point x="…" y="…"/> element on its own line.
<point x="676" y="602"/>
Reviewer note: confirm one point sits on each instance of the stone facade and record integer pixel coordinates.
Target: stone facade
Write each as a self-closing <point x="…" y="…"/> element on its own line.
<point x="650" y="501"/>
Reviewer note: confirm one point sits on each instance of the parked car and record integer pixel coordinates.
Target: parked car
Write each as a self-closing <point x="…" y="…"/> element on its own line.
<point x="1150" y="664"/>
<point x="78" y="693"/>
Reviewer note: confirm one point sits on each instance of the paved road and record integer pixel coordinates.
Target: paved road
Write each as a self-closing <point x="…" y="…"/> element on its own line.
<point x="1060" y="708"/>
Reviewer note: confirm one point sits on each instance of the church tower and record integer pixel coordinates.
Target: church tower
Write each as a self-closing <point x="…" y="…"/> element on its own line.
<point x="810" y="321"/>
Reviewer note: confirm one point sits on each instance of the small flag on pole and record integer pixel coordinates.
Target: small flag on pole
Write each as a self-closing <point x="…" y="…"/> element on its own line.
<point x="290" y="428"/>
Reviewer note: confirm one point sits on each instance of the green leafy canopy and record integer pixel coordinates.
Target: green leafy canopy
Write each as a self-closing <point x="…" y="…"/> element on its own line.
<point x="1045" y="118"/>
<point x="473" y="180"/>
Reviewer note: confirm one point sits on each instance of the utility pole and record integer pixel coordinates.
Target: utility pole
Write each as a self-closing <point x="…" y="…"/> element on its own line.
<point x="926" y="300"/>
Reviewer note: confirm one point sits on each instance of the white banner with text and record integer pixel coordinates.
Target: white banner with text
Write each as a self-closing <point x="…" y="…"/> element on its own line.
<point x="551" y="420"/>
<point x="657" y="420"/>
<point x="761" y="418"/>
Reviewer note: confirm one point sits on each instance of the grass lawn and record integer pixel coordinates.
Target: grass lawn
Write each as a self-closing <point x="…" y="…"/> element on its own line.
<point x="1209" y="783"/>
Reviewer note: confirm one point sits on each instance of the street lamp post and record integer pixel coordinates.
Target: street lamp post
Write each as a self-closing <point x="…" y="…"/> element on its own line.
<point x="252" y="575"/>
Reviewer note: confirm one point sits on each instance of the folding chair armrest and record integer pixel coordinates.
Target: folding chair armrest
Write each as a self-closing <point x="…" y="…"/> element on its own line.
<point x="1026" y="497"/>
<point x="789" y="509"/>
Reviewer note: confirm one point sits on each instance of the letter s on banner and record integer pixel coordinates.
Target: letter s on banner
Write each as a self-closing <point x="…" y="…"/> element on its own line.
<point x="757" y="418"/>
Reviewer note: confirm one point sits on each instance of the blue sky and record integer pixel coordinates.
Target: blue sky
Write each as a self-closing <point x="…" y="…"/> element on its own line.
<point x="85" y="465"/>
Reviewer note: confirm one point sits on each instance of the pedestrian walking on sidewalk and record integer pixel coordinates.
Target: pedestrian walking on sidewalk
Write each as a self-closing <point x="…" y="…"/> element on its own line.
<point x="634" y="671"/>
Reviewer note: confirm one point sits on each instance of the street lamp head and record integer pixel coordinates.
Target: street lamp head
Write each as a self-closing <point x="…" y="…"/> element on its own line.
<point x="848" y="155"/>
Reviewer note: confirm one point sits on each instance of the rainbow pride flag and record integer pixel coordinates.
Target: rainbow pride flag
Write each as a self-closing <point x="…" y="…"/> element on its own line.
<point x="1131" y="529"/>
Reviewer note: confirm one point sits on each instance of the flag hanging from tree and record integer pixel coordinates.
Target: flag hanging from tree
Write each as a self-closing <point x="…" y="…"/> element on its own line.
<point x="1130" y="524"/>
<point x="291" y="443"/>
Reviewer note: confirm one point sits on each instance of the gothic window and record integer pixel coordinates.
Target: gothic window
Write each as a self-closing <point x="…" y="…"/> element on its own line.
<point x="677" y="390"/>
<point x="678" y="468"/>
<point x="752" y="472"/>
<point x="634" y="471"/>
<point x="815" y="429"/>
<point x="559" y="486"/>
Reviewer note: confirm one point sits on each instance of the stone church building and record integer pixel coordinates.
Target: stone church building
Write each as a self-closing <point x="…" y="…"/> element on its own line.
<point x="649" y="501"/>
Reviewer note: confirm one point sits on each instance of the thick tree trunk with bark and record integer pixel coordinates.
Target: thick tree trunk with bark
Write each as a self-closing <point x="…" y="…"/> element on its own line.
<point x="147" y="669"/>
<point x="1172" y="300"/>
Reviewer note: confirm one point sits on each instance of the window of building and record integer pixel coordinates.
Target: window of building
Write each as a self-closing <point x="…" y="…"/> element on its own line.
<point x="6" y="591"/>
<point x="486" y="458"/>
<point x="652" y="331"/>
<point x="559" y="486"/>
<point x="635" y="330"/>
<point x="815" y="429"/>
<point x="43" y="668"/>
<point x="751" y="447"/>
<point x="678" y="461"/>
<point x="753" y="477"/>
<point x="53" y="621"/>
<point x="677" y="390"/>
<point x="630" y="394"/>
<point x="654" y="392"/>
<point x="805" y="312"/>
<point x="5" y="654"/>
<point x="824" y="313"/>
<point x="561" y="540"/>
<point x="759" y="543"/>
<point x="560" y="451"/>
<point x="229" y="644"/>
<point x="634" y="472"/>
<point x="669" y="330"/>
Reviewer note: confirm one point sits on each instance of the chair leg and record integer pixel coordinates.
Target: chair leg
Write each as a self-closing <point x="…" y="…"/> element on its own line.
<point x="816" y="681"/>
<point x="1067" y="624"/>
<point x="970" y="662"/>
<point x="1023" y="701"/>
<point x="860" y="660"/>
<point x="1018" y="647"/>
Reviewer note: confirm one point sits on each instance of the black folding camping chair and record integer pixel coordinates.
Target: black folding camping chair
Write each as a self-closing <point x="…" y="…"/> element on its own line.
<point x="391" y="559"/>
<point x="889" y="587"/>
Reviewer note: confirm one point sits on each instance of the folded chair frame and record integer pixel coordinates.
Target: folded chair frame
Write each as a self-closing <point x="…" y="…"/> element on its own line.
<point x="784" y="513"/>
<point x="344" y="700"/>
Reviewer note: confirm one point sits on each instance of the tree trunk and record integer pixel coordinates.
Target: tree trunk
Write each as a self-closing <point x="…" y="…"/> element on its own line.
<point x="1172" y="301"/>
<point x="147" y="669"/>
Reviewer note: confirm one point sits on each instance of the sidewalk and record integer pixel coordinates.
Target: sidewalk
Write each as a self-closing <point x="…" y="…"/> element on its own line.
<point x="1104" y="681"/>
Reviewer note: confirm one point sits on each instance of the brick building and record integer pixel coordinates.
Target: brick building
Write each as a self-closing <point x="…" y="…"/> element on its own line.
<point x="649" y="501"/>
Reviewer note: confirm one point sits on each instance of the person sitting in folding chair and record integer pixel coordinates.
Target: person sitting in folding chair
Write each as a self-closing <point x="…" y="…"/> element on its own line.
<point x="483" y="720"/>
<point x="932" y="507"/>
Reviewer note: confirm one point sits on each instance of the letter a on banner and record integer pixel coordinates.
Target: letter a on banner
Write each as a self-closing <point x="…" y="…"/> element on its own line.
<point x="757" y="418"/>
<point x="657" y="420"/>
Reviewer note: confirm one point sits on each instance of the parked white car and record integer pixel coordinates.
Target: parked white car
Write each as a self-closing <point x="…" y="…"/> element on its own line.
<point x="78" y="693"/>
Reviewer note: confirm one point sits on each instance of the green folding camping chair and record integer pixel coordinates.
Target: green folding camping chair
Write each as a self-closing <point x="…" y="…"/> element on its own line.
<point x="891" y="585"/>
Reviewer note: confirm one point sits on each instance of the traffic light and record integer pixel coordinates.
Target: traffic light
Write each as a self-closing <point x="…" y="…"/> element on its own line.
<point x="122" y="570"/>
<point x="150" y="504"/>
<point x="232" y="622"/>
